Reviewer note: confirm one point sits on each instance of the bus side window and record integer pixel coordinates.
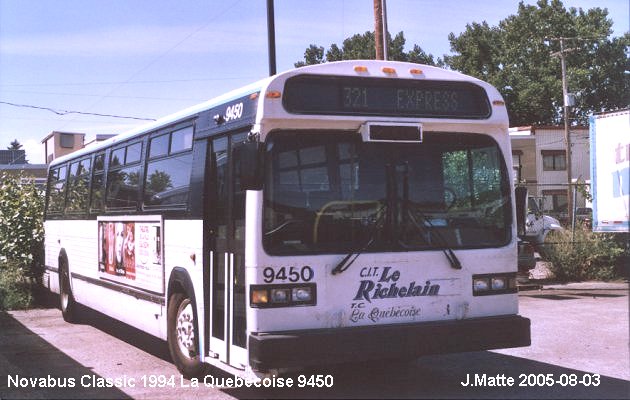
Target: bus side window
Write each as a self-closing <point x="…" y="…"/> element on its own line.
<point x="98" y="183"/>
<point x="57" y="190"/>
<point x="122" y="188"/>
<point x="78" y="186"/>
<point x="167" y="181"/>
<point x="123" y="184"/>
<point x="167" y="177"/>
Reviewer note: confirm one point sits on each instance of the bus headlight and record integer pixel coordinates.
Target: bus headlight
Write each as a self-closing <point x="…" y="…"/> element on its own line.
<point x="282" y="295"/>
<point x="489" y="284"/>
<point x="498" y="283"/>
<point x="301" y="294"/>
<point x="279" y="295"/>
<point x="480" y="285"/>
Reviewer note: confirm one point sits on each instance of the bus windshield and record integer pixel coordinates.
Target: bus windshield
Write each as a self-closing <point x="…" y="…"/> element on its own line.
<point x="328" y="191"/>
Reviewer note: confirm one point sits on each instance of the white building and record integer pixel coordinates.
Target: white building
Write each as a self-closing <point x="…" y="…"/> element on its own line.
<point x="540" y="162"/>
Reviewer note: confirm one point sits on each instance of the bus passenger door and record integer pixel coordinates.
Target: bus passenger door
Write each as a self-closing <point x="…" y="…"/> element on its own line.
<point x="227" y="256"/>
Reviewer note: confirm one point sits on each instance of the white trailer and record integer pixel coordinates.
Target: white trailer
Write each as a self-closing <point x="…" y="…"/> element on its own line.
<point x="610" y="165"/>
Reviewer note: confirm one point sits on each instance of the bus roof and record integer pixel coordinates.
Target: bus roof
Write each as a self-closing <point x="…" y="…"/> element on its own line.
<point x="354" y="68"/>
<point x="165" y="121"/>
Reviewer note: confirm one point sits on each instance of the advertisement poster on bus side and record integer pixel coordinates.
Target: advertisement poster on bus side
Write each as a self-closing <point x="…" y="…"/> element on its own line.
<point x="130" y="252"/>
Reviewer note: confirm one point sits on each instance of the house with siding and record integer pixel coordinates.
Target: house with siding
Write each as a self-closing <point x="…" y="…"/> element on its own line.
<point x="539" y="161"/>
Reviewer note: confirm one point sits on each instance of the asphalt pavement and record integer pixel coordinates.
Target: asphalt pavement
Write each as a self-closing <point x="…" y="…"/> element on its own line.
<point x="579" y="349"/>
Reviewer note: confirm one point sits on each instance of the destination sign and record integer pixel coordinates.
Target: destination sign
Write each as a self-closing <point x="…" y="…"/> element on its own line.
<point x="334" y="95"/>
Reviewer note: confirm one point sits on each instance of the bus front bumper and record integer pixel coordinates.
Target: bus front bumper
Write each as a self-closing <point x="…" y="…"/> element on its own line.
<point x="292" y="349"/>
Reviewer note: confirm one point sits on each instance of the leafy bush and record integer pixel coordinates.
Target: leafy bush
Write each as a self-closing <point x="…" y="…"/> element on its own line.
<point x="16" y="288"/>
<point x="21" y="240"/>
<point x="21" y="221"/>
<point x="584" y="255"/>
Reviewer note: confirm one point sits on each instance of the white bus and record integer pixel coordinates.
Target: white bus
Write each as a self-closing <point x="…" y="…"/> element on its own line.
<point x="334" y="213"/>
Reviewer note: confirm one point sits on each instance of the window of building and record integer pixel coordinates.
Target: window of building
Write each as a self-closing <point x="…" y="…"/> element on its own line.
<point x="554" y="160"/>
<point x="516" y="164"/>
<point x="66" y="140"/>
<point x="557" y="199"/>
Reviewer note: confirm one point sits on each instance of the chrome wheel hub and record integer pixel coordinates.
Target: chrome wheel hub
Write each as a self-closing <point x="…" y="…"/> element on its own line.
<point x="185" y="329"/>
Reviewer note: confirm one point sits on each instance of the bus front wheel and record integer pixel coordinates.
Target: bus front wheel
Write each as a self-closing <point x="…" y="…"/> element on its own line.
<point x="66" y="299"/>
<point x="182" y="338"/>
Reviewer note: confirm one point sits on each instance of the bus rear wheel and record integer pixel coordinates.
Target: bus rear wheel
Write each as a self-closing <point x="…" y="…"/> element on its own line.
<point x="66" y="299"/>
<point x="182" y="336"/>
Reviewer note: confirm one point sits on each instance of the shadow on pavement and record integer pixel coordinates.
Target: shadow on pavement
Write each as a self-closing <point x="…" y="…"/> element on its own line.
<point x="126" y="333"/>
<point x="24" y="355"/>
<point x="442" y="377"/>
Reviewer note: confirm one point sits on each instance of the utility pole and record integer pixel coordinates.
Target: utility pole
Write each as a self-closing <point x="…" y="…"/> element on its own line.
<point x="378" y="29"/>
<point x="567" y="133"/>
<point x="271" y="37"/>
<point x="384" y="13"/>
<point x="566" y="104"/>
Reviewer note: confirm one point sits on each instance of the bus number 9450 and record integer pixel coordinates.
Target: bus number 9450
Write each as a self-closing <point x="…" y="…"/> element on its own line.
<point x="234" y="112"/>
<point x="292" y="274"/>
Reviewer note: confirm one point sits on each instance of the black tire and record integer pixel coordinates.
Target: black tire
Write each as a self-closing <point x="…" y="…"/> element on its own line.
<point x="66" y="298"/>
<point x="182" y="336"/>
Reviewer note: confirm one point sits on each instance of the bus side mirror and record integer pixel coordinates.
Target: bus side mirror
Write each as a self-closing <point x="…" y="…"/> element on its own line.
<point x="520" y="194"/>
<point x="248" y="164"/>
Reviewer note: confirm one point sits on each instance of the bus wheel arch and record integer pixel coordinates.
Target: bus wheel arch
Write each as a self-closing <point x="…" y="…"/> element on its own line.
<point x="182" y="325"/>
<point x="67" y="304"/>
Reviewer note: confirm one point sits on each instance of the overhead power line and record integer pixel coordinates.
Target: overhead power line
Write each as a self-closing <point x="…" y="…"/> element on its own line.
<point x="66" y="112"/>
<point x="94" y="83"/>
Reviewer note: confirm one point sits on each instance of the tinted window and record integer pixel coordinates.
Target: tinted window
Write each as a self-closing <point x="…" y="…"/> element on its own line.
<point x="335" y="193"/>
<point x="99" y="162"/>
<point x="85" y="167"/>
<point x="122" y="188"/>
<point x="167" y="178"/>
<point x="57" y="188"/>
<point x="133" y="153"/>
<point x="159" y="146"/>
<point x="181" y="139"/>
<point x="74" y="168"/>
<point x="167" y="181"/>
<point x="118" y="157"/>
<point x="96" y="202"/>
<point x="97" y="196"/>
<point x="78" y="186"/>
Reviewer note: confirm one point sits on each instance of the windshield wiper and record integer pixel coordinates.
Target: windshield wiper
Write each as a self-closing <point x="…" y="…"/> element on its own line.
<point x="446" y="249"/>
<point x="347" y="261"/>
<point x="344" y="264"/>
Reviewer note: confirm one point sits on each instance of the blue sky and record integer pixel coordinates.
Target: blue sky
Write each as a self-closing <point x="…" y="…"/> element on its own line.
<point x="152" y="58"/>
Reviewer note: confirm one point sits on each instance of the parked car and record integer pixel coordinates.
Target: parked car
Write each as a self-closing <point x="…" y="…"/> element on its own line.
<point x="537" y="225"/>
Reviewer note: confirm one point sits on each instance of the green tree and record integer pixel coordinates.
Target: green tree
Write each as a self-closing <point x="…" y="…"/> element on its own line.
<point x="15" y="145"/>
<point x="313" y="55"/>
<point x="517" y="57"/>
<point x="361" y="47"/>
